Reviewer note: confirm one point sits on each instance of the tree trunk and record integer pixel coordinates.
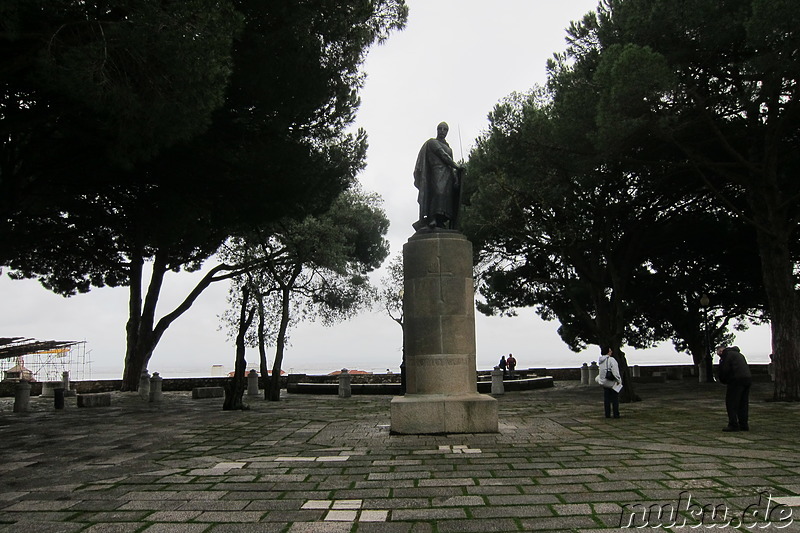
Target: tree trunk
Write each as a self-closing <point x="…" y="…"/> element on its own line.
<point x="133" y="364"/>
<point x="609" y="329"/>
<point x="262" y="347"/>
<point x="142" y="336"/>
<point x="627" y="394"/>
<point x="235" y="386"/>
<point x="779" y="284"/>
<point x="280" y="343"/>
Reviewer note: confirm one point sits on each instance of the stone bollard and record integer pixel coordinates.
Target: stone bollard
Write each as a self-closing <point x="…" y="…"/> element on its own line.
<point x="636" y="371"/>
<point x="68" y="390"/>
<point x="156" y="394"/>
<point x="584" y="374"/>
<point x="144" y="385"/>
<point x="48" y="387"/>
<point x="58" y="398"/>
<point x="701" y="373"/>
<point x="345" y="390"/>
<point x="497" y="382"/>
<point x="22" y="397"/>
<point x="252" y="383"/>
<point x="593" y="372"/>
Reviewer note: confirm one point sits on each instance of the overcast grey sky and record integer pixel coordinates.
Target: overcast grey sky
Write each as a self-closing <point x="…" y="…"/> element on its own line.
<point x="454" y="61"/>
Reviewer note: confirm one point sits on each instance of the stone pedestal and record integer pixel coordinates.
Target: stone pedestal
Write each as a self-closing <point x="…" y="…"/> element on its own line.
<point x="497" y="382"/>
<point x="345" y="386"/>
<point x="593" y="372"/>
<point x="156" y="388"/>
<point x="69" y="390"/>
<point x="58" y="397"/>
<point x="252" y="383"/>
<point x="22" y="397"/>
<point x="144" y="385"/>
<point x="439" y="339"/>
<point x="48" y="387"/>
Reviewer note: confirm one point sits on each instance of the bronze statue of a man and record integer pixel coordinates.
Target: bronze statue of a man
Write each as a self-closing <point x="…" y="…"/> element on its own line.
<point x="438" y="179"/>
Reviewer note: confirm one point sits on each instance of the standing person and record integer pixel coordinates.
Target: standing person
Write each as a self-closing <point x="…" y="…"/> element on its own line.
<point x="503" y="364"/>
<point x="437" y="177"/>
<point x="611" y="380"/>
<point x="512" y="363"/>
<point x="735" y="373"/>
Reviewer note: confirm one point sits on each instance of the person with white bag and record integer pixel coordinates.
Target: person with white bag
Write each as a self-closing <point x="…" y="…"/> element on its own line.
<point x="611" y="380"/>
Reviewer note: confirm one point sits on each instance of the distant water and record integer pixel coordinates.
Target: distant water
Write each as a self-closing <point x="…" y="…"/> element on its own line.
<point x="571" y="360"/>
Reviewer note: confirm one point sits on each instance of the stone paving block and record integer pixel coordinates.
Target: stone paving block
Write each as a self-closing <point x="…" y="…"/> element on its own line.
<point x="397" y="475"/>
<point x="516" y="481"/>
<point x="448" y="482"/>
<point x="177" y="528"/>
<point x="373" y="515"/>
<point x="341" y="516"/>
<point x="517" y="511"/>
<point x="255" y="486"/>
<point x="522" y="499"/>
<point x="492" y="489"/>
<point x="126" y="527"/>
<point x="572" y="509"/>
<point x="367" y="493"/>
<point x="42" y="527"/>
<point x="560" y="523"/>
<point x="458" y="501"/>
<point x="622" y="496"/>
<point x="428" y="514"/>
<point x="39" y="505"/>
<point x="173" y="516"/>
<point x="115" y="516"/>
<point x="478" y="526"/>
<point x="392" y="484"/>
<point x="395" y="503"/>
<point x="614" y="485"/>
<point x="247" y="528"/>
<point x="225" y="516"/>
<point x="325" y="527"/>
<point x="145" y="505"/>
<point x="11" y="495"/>
<point x="267" y="505"/>
<point x="386" y="527"/>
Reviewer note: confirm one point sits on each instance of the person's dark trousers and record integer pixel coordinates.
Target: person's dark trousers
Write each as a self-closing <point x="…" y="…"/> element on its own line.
<point x="610" y="399"/>
<point x="737" y="403"/>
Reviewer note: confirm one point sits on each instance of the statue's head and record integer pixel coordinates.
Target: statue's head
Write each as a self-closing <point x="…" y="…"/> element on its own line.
<point x="442" y="129"/>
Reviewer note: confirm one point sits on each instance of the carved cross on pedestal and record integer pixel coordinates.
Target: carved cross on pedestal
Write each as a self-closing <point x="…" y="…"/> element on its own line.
<point x="436" y="270"/>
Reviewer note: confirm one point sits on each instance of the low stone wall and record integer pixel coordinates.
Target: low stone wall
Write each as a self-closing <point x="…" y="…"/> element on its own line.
<point x="355" y="388"/>
<point x="760" y="373"/>
<point x="110" y="385"/>
<point x="542" y="382"/>
<point x="394" y="388"/>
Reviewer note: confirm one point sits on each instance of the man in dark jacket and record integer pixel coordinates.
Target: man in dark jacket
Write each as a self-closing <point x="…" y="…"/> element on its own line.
<point x="734" y="372"/>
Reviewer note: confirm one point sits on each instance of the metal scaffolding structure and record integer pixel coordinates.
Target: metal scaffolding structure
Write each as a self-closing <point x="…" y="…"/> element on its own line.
<point x="45" y="360"/>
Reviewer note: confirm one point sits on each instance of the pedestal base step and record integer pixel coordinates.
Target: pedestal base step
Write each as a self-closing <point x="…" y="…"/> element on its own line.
<point x="425" y="414"/>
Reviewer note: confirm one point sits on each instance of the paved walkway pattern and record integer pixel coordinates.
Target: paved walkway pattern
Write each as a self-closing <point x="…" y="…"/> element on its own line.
<point x="325" y="464"/>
